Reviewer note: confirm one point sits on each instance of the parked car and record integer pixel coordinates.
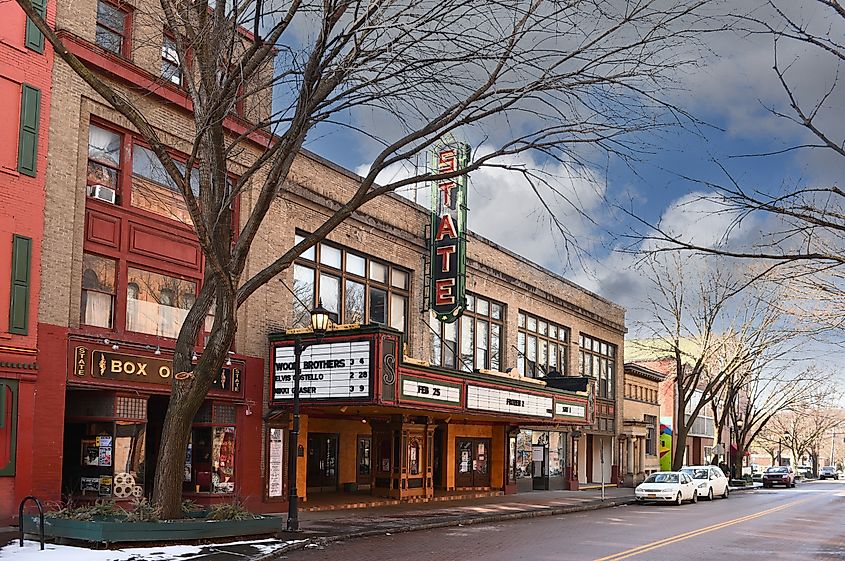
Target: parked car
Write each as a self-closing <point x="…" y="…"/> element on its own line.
<point x="803" y="472"/>
<point x="757" y="476"/>
<point x="828" y="471"/>
<point x="667" y="486"/>
<point x="709" y="481"/>
<point x="779" y="475"/>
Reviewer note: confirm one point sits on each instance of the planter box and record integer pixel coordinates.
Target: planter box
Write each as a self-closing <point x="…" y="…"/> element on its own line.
<point x="113" y="531"/>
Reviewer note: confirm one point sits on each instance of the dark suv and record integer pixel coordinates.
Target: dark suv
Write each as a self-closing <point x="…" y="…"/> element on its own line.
<point x="779" y="475"/>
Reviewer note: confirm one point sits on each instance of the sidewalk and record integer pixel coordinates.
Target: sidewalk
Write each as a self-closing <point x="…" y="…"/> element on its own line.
<point x="326" y="526"/>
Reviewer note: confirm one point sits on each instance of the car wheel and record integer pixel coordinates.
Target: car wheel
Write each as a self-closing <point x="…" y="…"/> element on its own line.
<point x="679" y="500"/>
<point x="725" y="494"/>
<point x="710" y="494"/>
<point x="793" y="485"/>
<point x="694" y="496"/>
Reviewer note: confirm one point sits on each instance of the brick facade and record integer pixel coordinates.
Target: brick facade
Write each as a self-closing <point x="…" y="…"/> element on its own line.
<point x="22" y="374"/>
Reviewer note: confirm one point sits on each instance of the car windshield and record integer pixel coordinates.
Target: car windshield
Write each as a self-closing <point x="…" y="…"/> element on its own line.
<point x="697" y="473"/>
<point x="776" y="470"/>
<point x="662" y="478"/>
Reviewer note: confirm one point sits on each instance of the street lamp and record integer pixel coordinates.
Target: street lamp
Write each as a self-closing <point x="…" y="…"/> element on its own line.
<point x="784" y="436"/>
<point x="320" y="321"/>
<point x="734" y="456"/>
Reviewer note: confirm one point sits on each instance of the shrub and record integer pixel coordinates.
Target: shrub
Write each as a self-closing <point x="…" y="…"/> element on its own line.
<point x="229" y="511"/>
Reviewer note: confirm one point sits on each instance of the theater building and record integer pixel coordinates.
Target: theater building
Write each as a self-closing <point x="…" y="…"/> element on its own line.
<point x="520" y="393"/>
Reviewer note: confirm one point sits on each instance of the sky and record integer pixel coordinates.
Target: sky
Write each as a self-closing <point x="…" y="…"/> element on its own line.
<point x="729" y="93"/>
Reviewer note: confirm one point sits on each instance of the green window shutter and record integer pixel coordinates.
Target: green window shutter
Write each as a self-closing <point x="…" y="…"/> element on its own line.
<point x="19" y="308"/>
<point x="9" y="409"/>
<point x="28" y="141"/>
<point x="34" y="38"/>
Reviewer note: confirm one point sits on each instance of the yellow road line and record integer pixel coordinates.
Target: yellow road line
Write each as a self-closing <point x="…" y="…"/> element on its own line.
<point x="693" y="533"/>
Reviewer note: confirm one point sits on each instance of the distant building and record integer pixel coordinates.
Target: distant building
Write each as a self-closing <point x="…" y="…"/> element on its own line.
<point x="641" y="423"/>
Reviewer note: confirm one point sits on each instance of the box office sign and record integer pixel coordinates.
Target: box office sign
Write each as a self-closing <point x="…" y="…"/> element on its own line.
<point x="101" y="365"/>
<point x="448" y="232"/>
<point x="336" y="370"/>
<point x="507" y="401"/>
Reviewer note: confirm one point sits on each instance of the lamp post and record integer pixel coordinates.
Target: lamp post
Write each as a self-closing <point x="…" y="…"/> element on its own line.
<point x="780" y="447"/>
<point x="320" y="320"/>
<point x="734" y="457"/>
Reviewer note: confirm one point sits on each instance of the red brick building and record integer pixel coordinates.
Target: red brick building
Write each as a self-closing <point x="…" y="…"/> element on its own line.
<point x="25" y="84"/>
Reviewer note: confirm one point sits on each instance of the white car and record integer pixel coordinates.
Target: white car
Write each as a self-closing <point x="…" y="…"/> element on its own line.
<point x="667" y="486"/>
<point x="709" y="481"/>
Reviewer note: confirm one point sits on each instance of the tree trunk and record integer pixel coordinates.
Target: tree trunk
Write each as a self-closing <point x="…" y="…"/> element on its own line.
<point x="188" y="395"/>
<point x="680" y="441"/>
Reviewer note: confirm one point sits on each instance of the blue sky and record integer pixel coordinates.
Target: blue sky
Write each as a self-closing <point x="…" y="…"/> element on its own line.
<point x="730" y="91"/>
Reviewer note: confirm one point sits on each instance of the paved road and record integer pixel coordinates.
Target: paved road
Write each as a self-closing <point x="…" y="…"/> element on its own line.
<point x="804" y="523"/>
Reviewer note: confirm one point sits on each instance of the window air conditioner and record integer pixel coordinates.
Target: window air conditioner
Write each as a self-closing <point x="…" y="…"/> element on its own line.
<point x="103" y="193"/>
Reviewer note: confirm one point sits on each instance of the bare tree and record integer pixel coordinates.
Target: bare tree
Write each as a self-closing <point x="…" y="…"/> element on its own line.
<point x="771" y="388"/>
<point x="709" y="331"/>
<point x="802" y="431"/>
<point x="805" y="233"/>
<point x="563" y="79"/>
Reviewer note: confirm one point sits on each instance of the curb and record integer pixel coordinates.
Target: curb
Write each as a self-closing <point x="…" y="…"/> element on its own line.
<point x="485" y="519"/>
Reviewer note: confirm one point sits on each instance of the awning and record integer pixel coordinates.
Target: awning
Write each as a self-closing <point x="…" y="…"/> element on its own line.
<point x="733" y="451"/>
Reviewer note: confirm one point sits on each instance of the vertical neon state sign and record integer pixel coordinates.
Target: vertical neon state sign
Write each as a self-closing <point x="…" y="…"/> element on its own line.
<point x="448" y="233"/>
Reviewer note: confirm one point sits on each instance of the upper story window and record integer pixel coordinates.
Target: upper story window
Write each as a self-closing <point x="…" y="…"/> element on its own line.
<point x="98" y="290"/>
<point x="143" y="183"/>
<point x="542" y="346"/>
<point x="113" y="24"/>
<point x="598" y="359"/>
<point x="472" y="342"/>
<point x="171" y="67"/>
<point x="157" y="304"/>
<point x="359" y="288"/>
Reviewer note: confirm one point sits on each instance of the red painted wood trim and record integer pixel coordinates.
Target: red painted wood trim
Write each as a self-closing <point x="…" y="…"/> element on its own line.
<point x="123" y="69"/>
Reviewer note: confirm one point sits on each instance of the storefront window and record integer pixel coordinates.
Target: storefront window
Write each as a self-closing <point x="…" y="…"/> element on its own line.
<point x="210" y="459"/>
<point x="157" y="304"/>
<point x="364" y="456"/>
<point x="129" y="459"/>
<point x="98" y="290"/>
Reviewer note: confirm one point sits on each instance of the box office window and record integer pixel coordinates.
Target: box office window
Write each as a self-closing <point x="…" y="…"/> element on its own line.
<point x="472" y="342"/>
<point x="157" y="304"/>
<point x="359" y="288"/>
<point x="542" y="346"/>
<point x="598" y="359"/>
<point x="210" y="459"/>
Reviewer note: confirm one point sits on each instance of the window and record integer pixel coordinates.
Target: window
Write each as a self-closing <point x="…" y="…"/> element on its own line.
<point x="148" y="186"/>
<point x="542" y="346"/>
<point x="98" y="291"/>
<point x="210" y="461"/>
<point x="28" y="134"/>
<point x="472" y="342"/>
<point x="104" y="149"/>
<point x="157" y="304"/>
<point x="8" y="426"/>
<point x="34" y="39"/>
<point x="360" y="289"/>
<point x="19" y="297"/>
<point x="598" y="359"/>
<point x="171" y="68"/>
<point x="112" y="28"/>
<point x="651" y="435"/>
